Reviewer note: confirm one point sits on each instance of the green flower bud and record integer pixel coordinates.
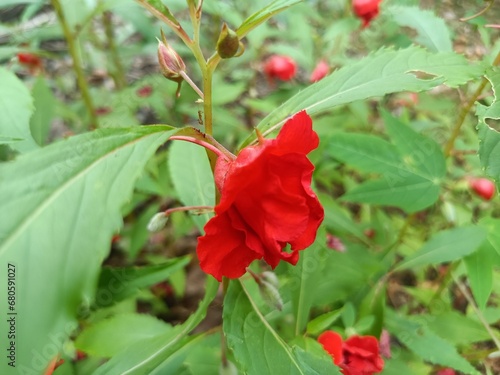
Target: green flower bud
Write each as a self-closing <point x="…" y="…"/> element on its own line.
<point x="157" y="222"/>
<point x="228" y="43"/>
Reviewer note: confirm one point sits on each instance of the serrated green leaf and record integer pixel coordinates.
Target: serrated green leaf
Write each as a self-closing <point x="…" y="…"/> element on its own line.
<point x="411" y="168"/>
<point x="432" y="30"/>
<point x="64" y="204"/>
<point x="263" y="15"/>
<point x="16" y="107"/>
<point x="256" y="345"/>
<point x="489" y="138"/>
<point x="145" y="356"/>
<point x="110" y="336"/>
<point x="446" y="246"/>
<point x="383" y="72"/>
<point x="425" y="343"/>
<point x="419" y="152"/>
<point x="192" y="177"/>
<point x="445" y="325"/>
<point x="116" y="284"/>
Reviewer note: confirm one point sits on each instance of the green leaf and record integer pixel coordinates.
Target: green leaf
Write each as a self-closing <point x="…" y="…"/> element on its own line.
<point x="192" y="177"/>
<point x="445" y="325"/>
<point x="412" y="168"/>
<point x="305" y="275"/>
<point x="148" y="354"/>
<point x="44" y="110"/>
<point x="432" y="30"/>
<point x="489" y="137"/>
<point x="383" y="72"/>
<point x="110" y="336"/>
<point x="263" y="15"/>
<point x="323" y="322"/>
<point x="116" y="284"/>
<point x="425" y="343"/>
<point x="64" y="204"/>
<point x="16" y="107"/>
<point x="256" y="345"/>
<point x="480" y="273"/>
<point x="446" y="246"/>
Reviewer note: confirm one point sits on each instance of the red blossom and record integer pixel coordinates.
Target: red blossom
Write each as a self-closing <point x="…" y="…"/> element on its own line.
<point x="446" y="371"/>
<point x="144" y="91"/>
<point x="266" y="203"/>
<point x="319" y="72"/>
<point x="358" y="355"/>
<point x="33" y="62"/>
<point x="366" y="10"/>
<point x="483" y="187"/>
<point x="281" y="67"/>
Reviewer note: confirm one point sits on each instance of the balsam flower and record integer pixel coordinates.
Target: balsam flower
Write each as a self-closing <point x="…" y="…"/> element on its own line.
<point x="266" y="203"/>
<point x="358" y="355"/>
<point x="281" y="67"/>
<point x="366" y="10"/>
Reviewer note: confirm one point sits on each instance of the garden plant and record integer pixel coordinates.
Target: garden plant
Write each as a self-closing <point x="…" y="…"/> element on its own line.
<point x="249" y="187"/>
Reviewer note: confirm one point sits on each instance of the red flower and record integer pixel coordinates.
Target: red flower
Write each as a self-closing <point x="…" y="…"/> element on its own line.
<point x="446" y="371"/>
<point x="33" y="62"/>
<point x="144" y="91"/>
<point x="358" y="355"/>
<point x="483" y="187"/>
<point x="282" y="67"/>
<point x="366" y="10"/>
<point x="320" y="71"/>
<point x="266" y="203"/>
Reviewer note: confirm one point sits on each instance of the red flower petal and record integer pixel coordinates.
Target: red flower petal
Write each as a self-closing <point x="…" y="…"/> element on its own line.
<point x="332" y="343"/>
<point x="297" y="135"/>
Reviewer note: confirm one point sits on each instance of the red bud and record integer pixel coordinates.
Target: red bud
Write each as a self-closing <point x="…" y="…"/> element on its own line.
<point x="483" y="187"/>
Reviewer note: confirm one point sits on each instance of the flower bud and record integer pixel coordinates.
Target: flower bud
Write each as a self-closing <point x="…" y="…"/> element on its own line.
<point x="270" y="294"/>
<point x="157" y="222"/>
<point x="482" y="187"/>
<point x="171" y="64"/>
<point x="228" y="43"/>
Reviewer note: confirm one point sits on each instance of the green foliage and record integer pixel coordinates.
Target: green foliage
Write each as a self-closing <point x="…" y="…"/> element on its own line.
<point x="432" y="30"/>
<point x="412" y="167"/>
<point x="42" y="236"/>
<point x="397" y="70"/>
<point x="257" y="346"/>
<point x="193" y="181"/>
<point x="16" y="106"/>
<point x="425" y="343"/>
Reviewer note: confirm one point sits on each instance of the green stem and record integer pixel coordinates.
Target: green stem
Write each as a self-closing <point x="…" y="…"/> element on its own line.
<point x="77" y="66"/>
<point x="119" y="73"/>
<point x="448" y="148"/>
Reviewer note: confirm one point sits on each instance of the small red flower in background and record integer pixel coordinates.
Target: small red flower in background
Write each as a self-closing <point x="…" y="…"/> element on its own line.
<point x="446" y="371"/>
<point x="320" y="71"/>
<point x="358" y="355"/>
<point x="366" y="10"/>
<point x="33" y="62"/>
<point x="144" y="91"/>
<point x="281" y="67"/>
<point x="483" y="187"/>
<point x="334" y="243"/>
<point x="266" y="203"/>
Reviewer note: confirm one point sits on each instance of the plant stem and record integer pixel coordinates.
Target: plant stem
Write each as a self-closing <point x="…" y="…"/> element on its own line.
<point x="77" y="66"/>
<point x="465" y="110"/>
<point x="119" y="73"/>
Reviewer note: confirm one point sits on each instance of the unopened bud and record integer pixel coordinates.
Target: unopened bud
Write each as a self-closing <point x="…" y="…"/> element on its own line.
<point x="157" y="222"/>
<point x="270" y="294"/>
<point x="171" y="64"/>
<point x="228" y="43"/>
<point x="228" y="369"/>
<point x="271" y="278"/>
